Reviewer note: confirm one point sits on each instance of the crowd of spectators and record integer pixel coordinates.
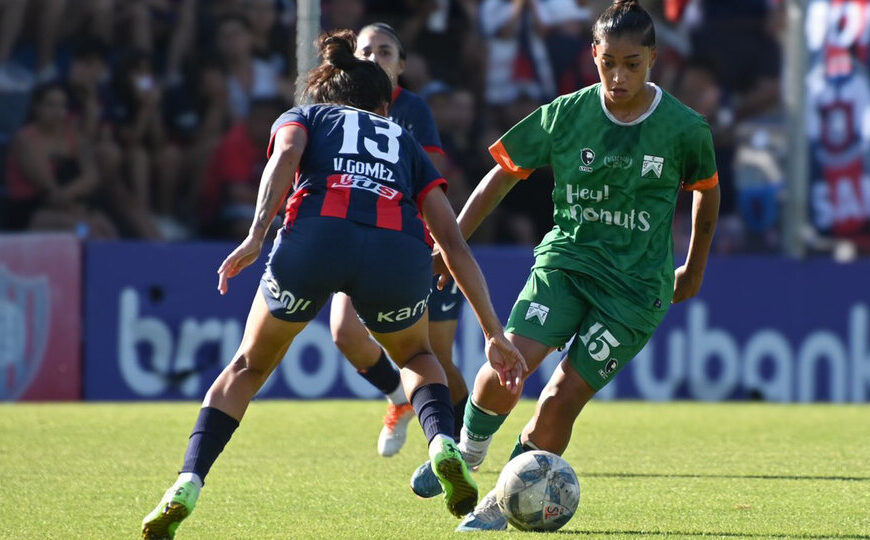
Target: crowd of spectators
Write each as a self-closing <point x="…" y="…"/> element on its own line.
<point x="149" y="119"/>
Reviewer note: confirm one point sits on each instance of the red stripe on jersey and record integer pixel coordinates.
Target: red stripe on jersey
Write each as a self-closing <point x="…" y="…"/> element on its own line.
<point x="282" y="126"/>
<point x="390" y="212"/>
<point x="432" y="185"/>
<point x="337" y="199"/>
<point x="293" y="206"/>
<point x="427" y="236"/>
<point x="435" y="149"/>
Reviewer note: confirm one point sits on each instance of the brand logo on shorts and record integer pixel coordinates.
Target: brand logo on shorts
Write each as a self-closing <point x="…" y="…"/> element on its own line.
<point x="587" y="156"/>
<point x="609" y="368"/>
<point x="403" y="313"/>
<point x="448" y="307"/>
<point x="285" y="298"/>
<point x="652" y="164"/>
<point x="537" y="311"/>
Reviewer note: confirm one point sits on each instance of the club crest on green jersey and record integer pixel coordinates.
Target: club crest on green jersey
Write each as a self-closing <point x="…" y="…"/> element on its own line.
<point x="652" y="164"/>
<point x="587" y="156"/>
<point x="537" y="311"/>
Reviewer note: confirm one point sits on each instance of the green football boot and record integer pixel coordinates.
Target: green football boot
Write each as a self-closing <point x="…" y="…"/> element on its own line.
<point x="176" y="504"/>
<point x="460" y="490"/>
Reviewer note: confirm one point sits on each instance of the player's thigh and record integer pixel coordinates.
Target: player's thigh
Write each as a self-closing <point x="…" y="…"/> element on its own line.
<point x="533" y="351"/>
<point x="308" y="262"/>
<point x="547" y="313"/>
<point x="605" y="344"/>
<point x="404" y="344"/>
<point x="266" y="338"/>
<point x="347" y="330"/>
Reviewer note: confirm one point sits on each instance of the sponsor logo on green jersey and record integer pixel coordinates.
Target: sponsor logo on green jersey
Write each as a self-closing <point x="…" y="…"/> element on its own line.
<point x="618" y="162"/>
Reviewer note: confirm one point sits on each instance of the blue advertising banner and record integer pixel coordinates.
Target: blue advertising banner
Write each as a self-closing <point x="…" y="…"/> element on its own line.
<point x="762" y="328"/>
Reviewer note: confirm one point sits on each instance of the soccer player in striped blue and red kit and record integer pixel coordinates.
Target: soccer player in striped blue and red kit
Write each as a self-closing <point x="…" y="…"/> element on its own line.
<point x="365" y="198"/>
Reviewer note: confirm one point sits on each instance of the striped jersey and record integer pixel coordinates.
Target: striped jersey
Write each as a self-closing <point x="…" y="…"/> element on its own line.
<point x="359" y="166"/>
<point x="616" y="186"/>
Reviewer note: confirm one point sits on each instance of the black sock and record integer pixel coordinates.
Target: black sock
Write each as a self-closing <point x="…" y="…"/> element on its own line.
<point x="383" y="375"/>
<point x="210" y="434"/>
<point x="432" y="404"/>
<point x="458" y="415"/>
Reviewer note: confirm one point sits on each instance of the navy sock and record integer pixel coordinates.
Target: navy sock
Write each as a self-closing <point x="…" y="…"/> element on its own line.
<point x="458" y="415"/>
<point x="210" y="434"/>
<point x="432" y="405"/>
<point x="383" y="375"/>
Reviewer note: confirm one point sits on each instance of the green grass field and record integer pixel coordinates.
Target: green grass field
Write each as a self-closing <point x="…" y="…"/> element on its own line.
<point x="310" y="470"/>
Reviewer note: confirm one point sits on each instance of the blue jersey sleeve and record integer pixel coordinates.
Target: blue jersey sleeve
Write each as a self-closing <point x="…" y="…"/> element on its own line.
<point x="411" y="112"/>
<point x="425" y="130"/>
<point x="296" y="115"/>
<point x="426" y="177"/>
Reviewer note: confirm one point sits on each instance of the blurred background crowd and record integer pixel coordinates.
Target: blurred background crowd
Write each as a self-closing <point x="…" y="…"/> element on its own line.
<point x="149" y="119"/>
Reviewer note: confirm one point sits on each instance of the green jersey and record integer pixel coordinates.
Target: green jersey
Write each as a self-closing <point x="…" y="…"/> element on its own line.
<point x="616" y="186"/>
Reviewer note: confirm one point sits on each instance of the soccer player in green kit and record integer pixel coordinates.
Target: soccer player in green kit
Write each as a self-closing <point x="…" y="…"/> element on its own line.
<point x="621" y="150"/>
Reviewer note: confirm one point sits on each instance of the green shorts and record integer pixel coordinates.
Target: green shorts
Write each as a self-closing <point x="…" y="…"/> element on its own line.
<point x="556" y="305"/>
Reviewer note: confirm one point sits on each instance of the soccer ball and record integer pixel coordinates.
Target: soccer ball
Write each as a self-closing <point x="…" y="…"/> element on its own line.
<point x="538" y="491"/>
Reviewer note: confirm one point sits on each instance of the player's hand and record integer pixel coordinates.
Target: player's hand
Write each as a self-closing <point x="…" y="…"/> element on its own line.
<point x="686" y="283"/>
<point x="507" y="361"/>
<point x="439" y="268"/>
<point x="238" y="260"/>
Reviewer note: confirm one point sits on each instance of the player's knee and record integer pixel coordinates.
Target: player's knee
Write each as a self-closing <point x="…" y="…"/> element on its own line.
<point x="242" y="366"/>
<point x="345" y="340"/>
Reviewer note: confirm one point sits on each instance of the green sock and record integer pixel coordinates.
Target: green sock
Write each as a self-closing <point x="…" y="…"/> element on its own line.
<point x="480" y="424"/>
<point x="520" y="448"/>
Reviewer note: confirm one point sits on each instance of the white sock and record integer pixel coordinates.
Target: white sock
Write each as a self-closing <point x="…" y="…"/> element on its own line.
<point x="473" y="450"/>
<point x="397" y="396"/>
<point x="435" y="445"/>
<point x="189" y="477"/>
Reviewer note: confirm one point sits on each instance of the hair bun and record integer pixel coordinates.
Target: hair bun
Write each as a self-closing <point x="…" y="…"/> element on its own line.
<point x="337" y="49"/>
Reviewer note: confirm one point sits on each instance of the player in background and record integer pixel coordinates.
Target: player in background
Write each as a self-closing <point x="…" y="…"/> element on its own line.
<point x="361" y="185"/>
<point x="620" y="150"/>
<point x="379" y="43"/>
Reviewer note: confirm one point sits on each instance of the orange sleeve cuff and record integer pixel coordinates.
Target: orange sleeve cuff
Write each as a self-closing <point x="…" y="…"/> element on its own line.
<point x="706" y="183"/>
<point x="504" y="160"/>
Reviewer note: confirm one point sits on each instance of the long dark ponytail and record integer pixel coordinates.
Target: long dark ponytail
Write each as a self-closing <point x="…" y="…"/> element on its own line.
<point x="343" y="78"/>
<point x="625" y="17"/>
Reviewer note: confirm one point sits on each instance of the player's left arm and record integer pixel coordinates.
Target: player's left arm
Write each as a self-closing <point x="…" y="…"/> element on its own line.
<point x="705" y="213"/>
<point x="289" y="144"/>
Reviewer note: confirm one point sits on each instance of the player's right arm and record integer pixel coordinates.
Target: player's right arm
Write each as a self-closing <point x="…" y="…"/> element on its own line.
<point x="503" y="356"/>
<point x="485" y="197"/>
<point x="288" y="146"/>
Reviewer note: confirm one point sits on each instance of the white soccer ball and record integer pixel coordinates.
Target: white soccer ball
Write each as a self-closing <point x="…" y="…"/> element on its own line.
<point x="538" y="491"/>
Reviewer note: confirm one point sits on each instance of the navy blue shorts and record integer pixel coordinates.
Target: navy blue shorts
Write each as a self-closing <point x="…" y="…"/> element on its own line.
<point x="387" y="274"/>
<point x="446" y="304"/>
